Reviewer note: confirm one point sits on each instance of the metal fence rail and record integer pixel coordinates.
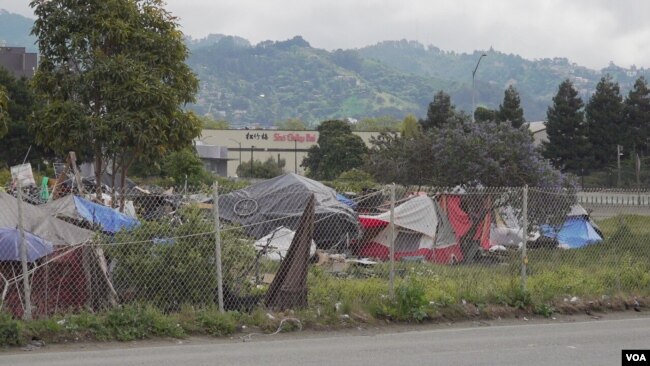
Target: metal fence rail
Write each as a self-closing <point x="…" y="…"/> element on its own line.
<point x="272" y="247"/>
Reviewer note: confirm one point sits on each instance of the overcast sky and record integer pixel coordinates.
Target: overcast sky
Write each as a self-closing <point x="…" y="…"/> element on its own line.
<point x="589" y="32"/>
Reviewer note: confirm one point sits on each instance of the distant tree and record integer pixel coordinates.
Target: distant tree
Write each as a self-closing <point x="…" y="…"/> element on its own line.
<point x="410" y="127"/>
<point x="263" y="170"/>
<point x="338" y="150"/>
<point x="186" y="166"/>
<point x="604" y="115"/>
<point x="291" y="124"/>
<point x="440" y="112"/>
<point x="510" y="110"/>
<point x="637" y="116"/>
<point x="378" y="124"/>
<point x="20" y="103"/>
<point x="210" y="123"/>
<point x="483" y="114"/>
<point x="486" y="154"/>
<point x="4" y="111"/>
<point x="113" y="78"/>
<point x="568" y="146"/>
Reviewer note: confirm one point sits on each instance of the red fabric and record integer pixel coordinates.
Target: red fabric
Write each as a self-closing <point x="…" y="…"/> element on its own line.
<point x="59" y="285"/>
<point x="369" y="222"/>
<point x="448" y="255"/>
<point x="462" y="223"/>
<point x="458" y="218"/>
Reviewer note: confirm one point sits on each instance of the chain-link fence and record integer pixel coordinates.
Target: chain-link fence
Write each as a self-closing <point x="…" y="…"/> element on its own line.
<point x="293" y="243"/>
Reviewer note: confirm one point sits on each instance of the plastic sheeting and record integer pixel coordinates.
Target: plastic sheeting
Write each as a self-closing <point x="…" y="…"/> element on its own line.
<point x="40" y="222"/>
<point x="281" y="201"/>
<point x="77" y="208"/>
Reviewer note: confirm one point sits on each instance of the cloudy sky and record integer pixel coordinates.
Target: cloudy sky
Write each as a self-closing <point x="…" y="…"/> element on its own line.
<point x="589" y="32"/>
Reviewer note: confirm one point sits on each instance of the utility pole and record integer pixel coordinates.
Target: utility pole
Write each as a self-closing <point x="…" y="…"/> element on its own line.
<point x="619" y="152"/>
<point x="252" y="148"/>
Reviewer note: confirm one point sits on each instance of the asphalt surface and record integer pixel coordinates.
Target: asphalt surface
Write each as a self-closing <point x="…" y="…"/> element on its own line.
<point x="596" y="342"/>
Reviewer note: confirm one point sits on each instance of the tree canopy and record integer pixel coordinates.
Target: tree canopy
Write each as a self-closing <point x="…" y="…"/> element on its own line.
<point x="338" y="150"/>
<point x="291" y="124"/>
<point x="19" y="105"/>
<point x="568" y="146"/>
<point x="487" y="154"/>
<point x="637" y="116"/>
<point x="113" y="78"/>
<point x="263" y="170"/>
<point x="185" y="166"/>
<point x="510" y="110"/>
<point x="440" y="112"/>
<point x="604" y="116"/>
<point x="4" y="107"/>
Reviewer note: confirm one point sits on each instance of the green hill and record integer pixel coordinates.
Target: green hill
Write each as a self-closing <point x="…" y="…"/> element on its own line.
<point x="272" y="81"/>
<point x="15" y="31"/>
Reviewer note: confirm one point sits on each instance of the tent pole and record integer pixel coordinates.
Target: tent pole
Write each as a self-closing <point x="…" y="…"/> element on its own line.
<point x="391" y="286"/>
<point x="217" y="244"/>
<point x="27" y="314"/>
<point x="524" y="231"/>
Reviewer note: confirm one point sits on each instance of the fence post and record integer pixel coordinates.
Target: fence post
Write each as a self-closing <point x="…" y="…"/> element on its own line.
<point x="27" y="289"/>
<point x="391" y="284"/>
<point x="524" y="224"/>
<point x="217" y="244"/>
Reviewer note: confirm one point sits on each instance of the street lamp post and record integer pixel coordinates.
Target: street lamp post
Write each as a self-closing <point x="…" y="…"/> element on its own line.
<point x="295" y="156"/>
<point x="238" y="143"/>
<point x="474" y="85"/>
<point x="252" y="148"/>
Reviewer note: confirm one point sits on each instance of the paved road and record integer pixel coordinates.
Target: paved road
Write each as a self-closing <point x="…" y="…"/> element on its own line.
<point x="580" y="343"/>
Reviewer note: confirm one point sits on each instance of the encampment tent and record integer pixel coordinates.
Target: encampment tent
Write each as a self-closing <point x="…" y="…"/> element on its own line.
<point x="81" y="210"/>
<point x="420" y="230"/>
<point x="40" y="222"/>
<point x="577" y="231"/>
<point x="281" y="201"/>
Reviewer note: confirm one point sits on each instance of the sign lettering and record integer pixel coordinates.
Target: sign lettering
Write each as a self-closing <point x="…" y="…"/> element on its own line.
<point x="308" y="137"/>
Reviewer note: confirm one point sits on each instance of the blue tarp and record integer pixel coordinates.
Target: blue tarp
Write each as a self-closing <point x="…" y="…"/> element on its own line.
<point x="109" y="219"/>
<point x="576" y="232"/>
<point x="341" y="198"/>
<point x="10" y="241"/>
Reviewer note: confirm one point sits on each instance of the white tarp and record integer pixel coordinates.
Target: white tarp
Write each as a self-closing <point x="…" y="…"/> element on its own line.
<point x="276" y="244"/>
<point x="417" y="216"/>
<point x="23" y="173"/>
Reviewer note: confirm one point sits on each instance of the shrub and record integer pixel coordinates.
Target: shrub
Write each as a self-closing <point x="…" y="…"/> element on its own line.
<point x="10" y="331"/>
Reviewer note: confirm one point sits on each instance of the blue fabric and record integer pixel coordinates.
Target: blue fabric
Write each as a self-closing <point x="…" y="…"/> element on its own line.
<point x="576" y="232"/>
<point x="10" y="242"/>
<point x="109" y="219"/>
<point x="341" y="198"/>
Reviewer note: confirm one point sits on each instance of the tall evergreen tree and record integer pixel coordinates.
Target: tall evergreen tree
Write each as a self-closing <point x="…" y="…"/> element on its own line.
<point x="440" y="111"/>
<point x="637" y="116"/>
<point x="604" y="115"/>
<point x="568" y="147"/>
<point x="510" y="111"/>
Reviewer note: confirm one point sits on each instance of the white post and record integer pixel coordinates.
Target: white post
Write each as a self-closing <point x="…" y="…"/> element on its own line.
<point x="392" y="243"/>
<point x="27" y="315"/>
<point x="524" y="224"/>
<point x="217" y="244"/>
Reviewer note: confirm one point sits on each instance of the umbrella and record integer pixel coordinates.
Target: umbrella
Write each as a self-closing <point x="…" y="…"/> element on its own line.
<point x="10" y="245"/>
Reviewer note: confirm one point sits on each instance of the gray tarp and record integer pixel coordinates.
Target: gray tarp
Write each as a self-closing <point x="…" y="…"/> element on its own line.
<point x="281" y="201"/>
<point x="39" y="221"/>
